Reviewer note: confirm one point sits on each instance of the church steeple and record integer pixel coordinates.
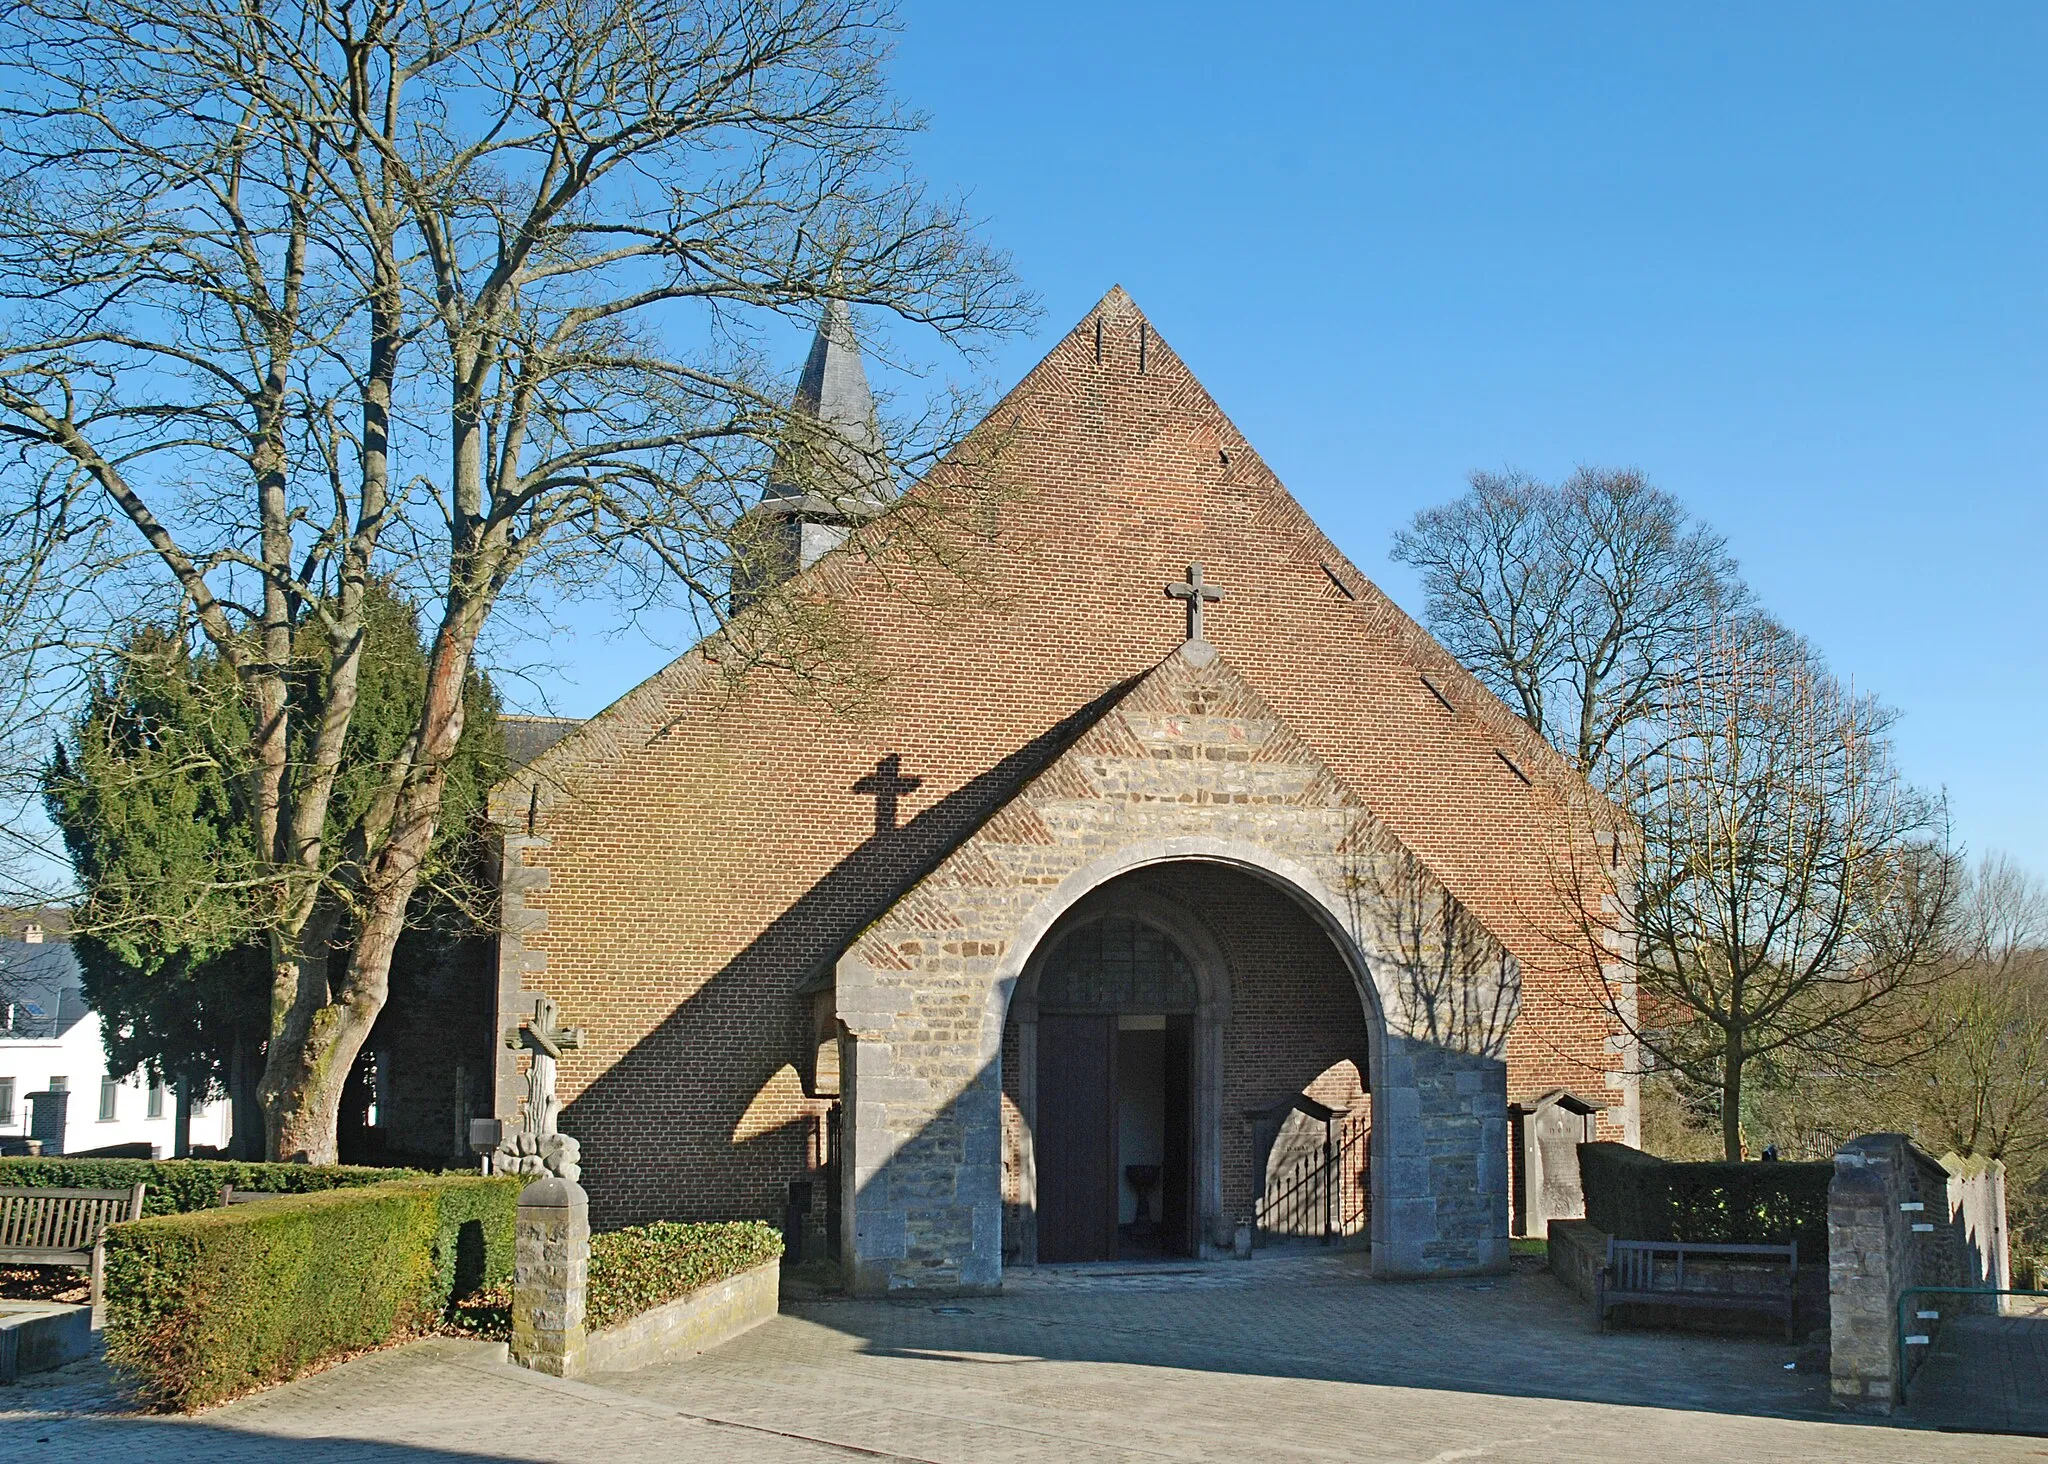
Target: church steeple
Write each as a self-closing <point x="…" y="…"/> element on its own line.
<point x="833" y="391"/>
<point x="831" y="471"/>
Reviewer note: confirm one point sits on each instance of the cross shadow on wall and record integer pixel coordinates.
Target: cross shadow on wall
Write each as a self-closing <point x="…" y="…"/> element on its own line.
<point x="886" y="785"/>
<point x="724" y="1070"/>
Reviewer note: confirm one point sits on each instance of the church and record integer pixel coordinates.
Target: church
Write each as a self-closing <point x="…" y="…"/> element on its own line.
<point x="1173" y="891"/>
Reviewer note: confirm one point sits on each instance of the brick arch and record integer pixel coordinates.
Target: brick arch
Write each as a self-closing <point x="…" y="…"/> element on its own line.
<point x="1290" y="876"/>
<point x="1190" y="765"/>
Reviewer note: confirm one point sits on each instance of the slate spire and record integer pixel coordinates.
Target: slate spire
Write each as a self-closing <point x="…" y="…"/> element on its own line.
<point x="833" y="390"/>
<point x="831" y="471"/>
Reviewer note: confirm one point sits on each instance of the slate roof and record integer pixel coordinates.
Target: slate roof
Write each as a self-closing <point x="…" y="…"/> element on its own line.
<point x="851" y="462"/>
<point x="41" y="983"/>
<point x="526" y="738"/>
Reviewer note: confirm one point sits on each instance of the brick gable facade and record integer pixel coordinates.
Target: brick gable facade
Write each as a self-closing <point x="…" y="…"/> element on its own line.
<point x="684" y="872"/>
<point x="1191" y="771"/>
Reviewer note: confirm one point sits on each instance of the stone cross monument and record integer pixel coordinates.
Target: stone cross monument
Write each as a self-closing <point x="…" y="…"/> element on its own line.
<point x="537" y="1147"/>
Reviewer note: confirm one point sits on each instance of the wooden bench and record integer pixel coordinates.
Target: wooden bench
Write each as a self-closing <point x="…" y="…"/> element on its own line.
<point x="1653" y="1273"/>
<point x="229" y="1195"/>
<point x="63" y="1227"/>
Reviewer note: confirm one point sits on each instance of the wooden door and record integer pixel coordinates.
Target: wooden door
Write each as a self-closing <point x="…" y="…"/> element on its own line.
<point x="1176" y="1173"/>
<point x="1076" y="1138"/>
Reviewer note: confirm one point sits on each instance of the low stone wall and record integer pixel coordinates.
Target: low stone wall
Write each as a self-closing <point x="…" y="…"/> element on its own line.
<point x="1578" y="1249"/>
<point x="689" y="1324"/>
<point x="36" y="1336"/>
<point x="1976" y="1203"/>
<point x="550" y="1287"/>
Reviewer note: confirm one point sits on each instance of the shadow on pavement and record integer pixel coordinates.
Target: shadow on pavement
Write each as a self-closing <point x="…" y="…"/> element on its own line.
<point x="108" y="1438"/>
<point x="1987" y="1374"/>
<point x="1321" y="1317"/>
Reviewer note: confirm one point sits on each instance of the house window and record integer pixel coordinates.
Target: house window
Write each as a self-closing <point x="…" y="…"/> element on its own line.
<point x="110" y="1089"/>
<point x="6" y="1100"/>
<point x="156" y="1100"/>
<point x="374" y="1071"/>
<point x="60" y="1085"/>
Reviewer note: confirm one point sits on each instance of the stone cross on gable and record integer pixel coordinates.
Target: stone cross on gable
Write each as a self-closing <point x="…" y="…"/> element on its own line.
<point x="1196" y="594"/>
<point x="548" y="1039"/>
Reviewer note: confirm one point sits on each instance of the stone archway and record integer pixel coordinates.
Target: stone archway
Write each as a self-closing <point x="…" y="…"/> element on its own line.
<point x="1208" y="1014"/>
<point x="1191" y="764"/>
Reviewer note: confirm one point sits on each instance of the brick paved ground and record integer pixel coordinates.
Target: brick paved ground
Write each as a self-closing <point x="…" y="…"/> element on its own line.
<point x="1289" y="1358"/>
<point x="1986" y="1372"/>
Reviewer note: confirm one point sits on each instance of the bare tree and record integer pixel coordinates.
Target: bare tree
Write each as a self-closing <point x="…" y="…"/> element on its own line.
<point x="1981" y="1085"/>
<point x="1787" y="884"/>
<point x="470" y="293"/>
<point x="1456" y="985"/>
<point x="48" y="546"/>
<point x="1576" y="602"/>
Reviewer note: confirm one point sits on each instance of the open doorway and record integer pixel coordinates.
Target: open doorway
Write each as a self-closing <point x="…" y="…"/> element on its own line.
<point x="1113" y="1139"/>
<point x="1153" y="1171"/>
<point x="1113" y="1059"/>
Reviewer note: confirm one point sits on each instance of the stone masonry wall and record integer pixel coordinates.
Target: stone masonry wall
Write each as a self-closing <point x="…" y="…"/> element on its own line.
<point x="1889" y="1228"/>
<point x="1192" y="763"/>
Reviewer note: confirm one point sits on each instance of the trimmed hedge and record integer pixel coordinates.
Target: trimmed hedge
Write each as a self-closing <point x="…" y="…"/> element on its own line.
<point x="178" y="1186"/>
<point x="643" y="1266"/>
<point x="1637" y="1196"/>
<point x="211" y="1303"/>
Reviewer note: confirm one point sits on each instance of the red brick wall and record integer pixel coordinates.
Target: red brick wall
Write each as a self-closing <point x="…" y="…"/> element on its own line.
<point x="1294" y="1009"/>
<point x="706" y="854"/>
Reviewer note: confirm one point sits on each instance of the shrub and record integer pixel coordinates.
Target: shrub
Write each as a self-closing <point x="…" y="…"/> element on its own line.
<point x="177" y="1186"/>
<point x="1638" y="1196"/>
<point x="204" y="1305"/>
<point x="1623" y="1196"/>
<point x="643" y="1266"/>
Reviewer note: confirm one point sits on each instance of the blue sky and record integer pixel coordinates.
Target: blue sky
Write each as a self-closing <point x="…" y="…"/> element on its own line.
<point x="1788" y="260"/>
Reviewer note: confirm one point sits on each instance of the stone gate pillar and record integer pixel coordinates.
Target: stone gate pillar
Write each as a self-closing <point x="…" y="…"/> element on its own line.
<point x="1439" y="1161"/>
<point x="551" y="1275"/>
<point x="921" y="1162"/>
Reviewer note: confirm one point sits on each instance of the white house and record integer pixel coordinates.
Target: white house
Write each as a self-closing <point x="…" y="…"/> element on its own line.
<point x="50" y="1045"/>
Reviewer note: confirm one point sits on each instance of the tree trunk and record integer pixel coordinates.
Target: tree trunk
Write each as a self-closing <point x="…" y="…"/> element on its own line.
<point x="246" y="1138"/>
<point x="310" y="1062"/>
<point x="181" y="1133"/>
<point x="1731" y="1098"/>
<point x="324" y="1032"/>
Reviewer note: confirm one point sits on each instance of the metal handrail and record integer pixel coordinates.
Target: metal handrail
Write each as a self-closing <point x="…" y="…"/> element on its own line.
<point x="1926" y="1339"/>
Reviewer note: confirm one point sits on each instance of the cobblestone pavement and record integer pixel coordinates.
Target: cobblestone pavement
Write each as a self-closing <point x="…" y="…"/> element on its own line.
<point x="1986" y="1372"/>
<point x="1291" y="1358"/>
